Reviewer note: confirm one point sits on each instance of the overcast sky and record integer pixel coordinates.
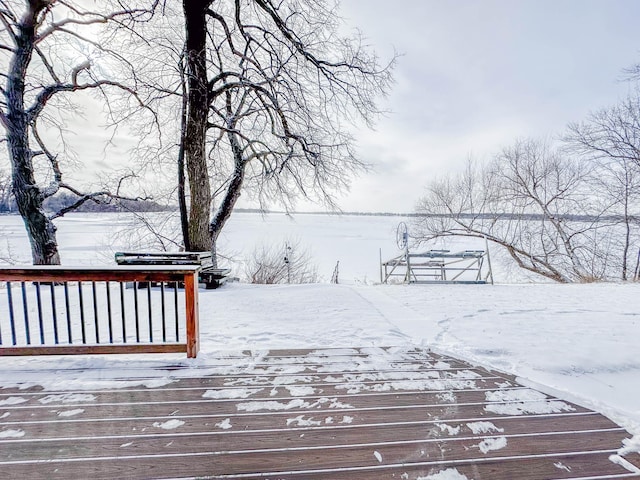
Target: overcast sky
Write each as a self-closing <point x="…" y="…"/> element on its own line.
<point x="473" y="76"/>
<point x="477" y="74"/>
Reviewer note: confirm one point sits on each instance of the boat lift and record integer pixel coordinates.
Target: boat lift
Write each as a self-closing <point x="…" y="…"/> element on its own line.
<point x="436" y="266"/>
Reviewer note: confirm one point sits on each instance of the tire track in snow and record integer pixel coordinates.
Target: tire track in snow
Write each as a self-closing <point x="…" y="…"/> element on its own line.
<point x="390" y="310"/>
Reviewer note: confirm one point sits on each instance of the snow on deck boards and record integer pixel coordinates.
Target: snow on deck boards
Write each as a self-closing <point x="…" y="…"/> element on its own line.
<point x="367" y="413"/>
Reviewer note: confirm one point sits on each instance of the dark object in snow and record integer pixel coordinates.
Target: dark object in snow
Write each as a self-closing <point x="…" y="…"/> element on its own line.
<point x="209" y="276"/>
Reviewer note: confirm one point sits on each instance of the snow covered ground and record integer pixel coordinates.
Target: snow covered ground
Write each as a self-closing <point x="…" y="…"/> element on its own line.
<point x="580" y="342"/>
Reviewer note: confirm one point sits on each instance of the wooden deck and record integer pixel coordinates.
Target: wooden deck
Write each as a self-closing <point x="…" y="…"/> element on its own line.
<point x="367" y="413"/>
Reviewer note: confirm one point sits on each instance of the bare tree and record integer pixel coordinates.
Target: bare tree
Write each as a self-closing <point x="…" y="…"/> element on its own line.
<point x="288" y="262"/>
<point x="531" y="201"/>
<point x="269" y="87"/>
<point x="47" y="45"/>
<point x="611" y="138"/>
<point x="258" y="96"/>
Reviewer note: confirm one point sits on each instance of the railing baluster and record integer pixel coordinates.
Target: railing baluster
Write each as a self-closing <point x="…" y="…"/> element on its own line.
<point x="175" y="305"/>
<point x="68" y="312"/>
<point x="52" y="289"/>
<point x="162" y="307"/>
<point x="81" y="300"/>
<point x="149" y="312"/>
<point x="122" y="312"/>
<point x="135" y="307"/>
<point x="39" y="305"/>
<point x="95" y="311"/>
<point x="109" y="311"/>
<point x="12" y="318"/>
<point x="25" y="311"/>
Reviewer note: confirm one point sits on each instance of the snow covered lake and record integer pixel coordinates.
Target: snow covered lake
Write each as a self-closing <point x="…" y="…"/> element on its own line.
<point x="580" y="342"/>
<point x="356" y="241"/>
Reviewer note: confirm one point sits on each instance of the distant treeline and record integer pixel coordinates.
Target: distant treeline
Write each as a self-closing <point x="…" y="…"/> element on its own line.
<point x="525" y="216"/>
<point x="63" y="200"/>
<point x="484" y="216"/>
<point x="363" y="214"/>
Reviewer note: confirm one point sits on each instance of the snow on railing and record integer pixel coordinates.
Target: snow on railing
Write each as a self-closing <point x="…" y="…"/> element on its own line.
<point x="53" y="310"/>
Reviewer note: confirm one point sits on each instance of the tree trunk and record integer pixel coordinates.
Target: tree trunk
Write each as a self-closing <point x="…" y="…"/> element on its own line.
<point x="182" y="196"/>
<point x="627" y="235"/>
<point x="231" y="195"/>
<point x="196" y="127"/>
<point x="40" y="229"/>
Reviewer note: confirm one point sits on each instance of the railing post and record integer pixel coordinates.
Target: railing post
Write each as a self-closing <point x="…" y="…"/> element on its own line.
<point x="191" y="312"/>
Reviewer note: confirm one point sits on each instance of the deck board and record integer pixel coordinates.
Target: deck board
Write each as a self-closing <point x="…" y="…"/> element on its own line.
<point x="426" y="417"/>
<point x="364" y="413"/>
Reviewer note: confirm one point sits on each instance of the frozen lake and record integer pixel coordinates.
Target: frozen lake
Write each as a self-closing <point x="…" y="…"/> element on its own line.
<point x="356" y="241"/>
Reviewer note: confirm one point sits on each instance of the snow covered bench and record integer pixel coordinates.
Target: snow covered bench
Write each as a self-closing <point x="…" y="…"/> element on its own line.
<point x="209" y="276"/>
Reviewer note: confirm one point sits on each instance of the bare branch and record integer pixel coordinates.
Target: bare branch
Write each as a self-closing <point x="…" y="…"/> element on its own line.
<point x="96" y="197"/>
<point x="54" y="186"/>
<point x="45" y="95"/>
<point x="47" y="64"/>
<point x="86" y="65"/>
<point x="8" y="20"/>
<point x="86" y="18"/>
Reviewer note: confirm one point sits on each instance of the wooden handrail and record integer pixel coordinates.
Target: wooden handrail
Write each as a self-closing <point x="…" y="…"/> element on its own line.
<point x="50" y="273"/>
<point x="186" y="274"/>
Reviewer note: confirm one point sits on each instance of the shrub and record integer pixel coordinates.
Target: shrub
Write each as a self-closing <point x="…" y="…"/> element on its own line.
<point x="281" y="263"/>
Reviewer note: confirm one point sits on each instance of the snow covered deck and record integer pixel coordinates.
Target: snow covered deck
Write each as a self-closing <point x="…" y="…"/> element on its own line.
<point x="367" y="413"/>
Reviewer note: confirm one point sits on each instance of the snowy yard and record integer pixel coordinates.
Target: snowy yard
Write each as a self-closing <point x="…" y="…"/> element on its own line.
<point x="580" y="342"/>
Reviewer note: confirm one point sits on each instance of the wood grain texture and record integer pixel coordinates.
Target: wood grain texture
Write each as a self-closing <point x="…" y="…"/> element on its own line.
<point x="191" y="313"/>
<point x="336" y="420"/>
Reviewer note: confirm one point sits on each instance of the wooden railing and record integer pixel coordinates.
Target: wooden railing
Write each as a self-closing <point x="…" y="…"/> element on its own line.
<point x="85" y="310"/>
